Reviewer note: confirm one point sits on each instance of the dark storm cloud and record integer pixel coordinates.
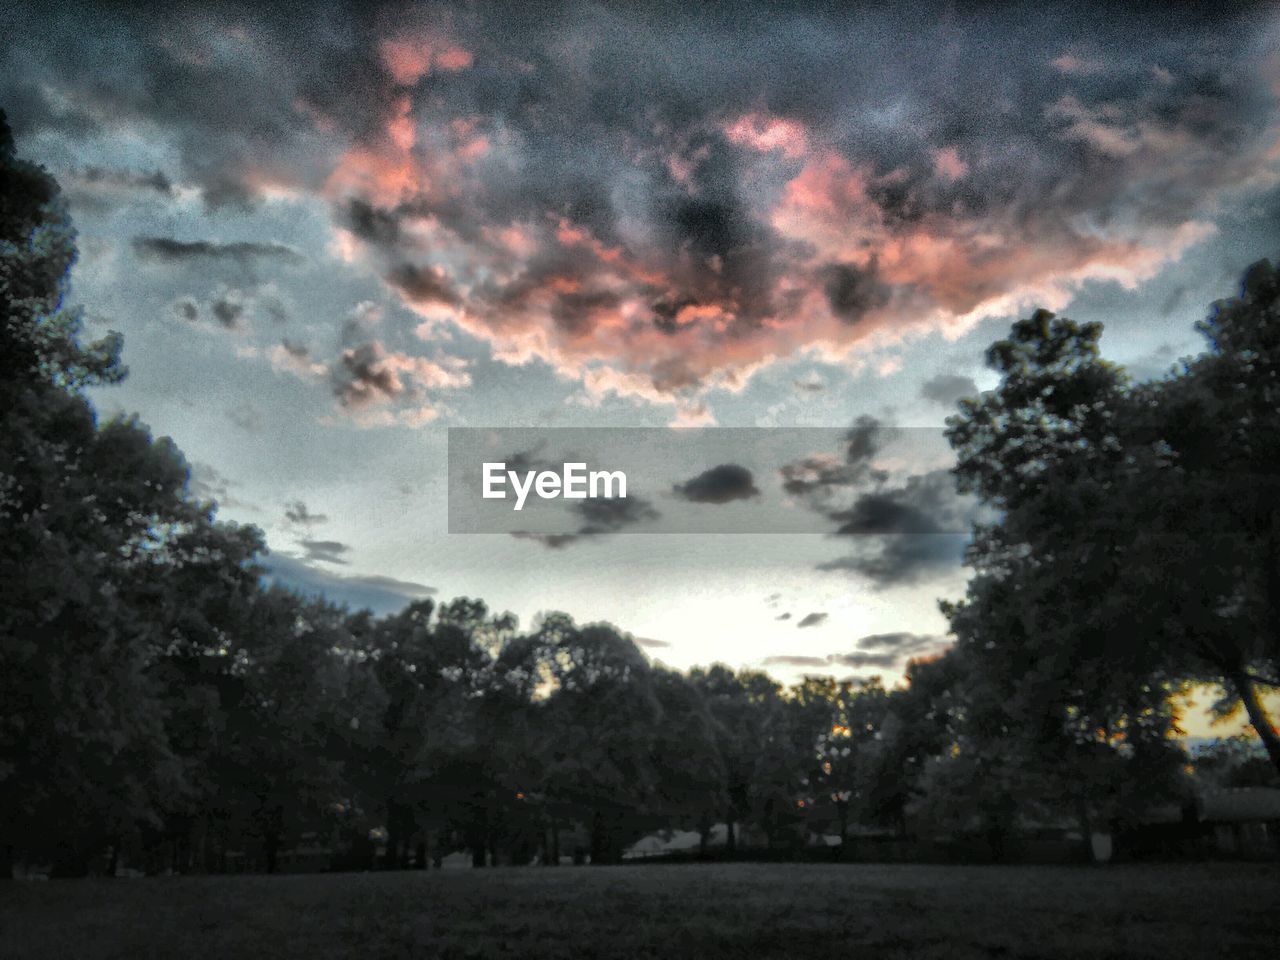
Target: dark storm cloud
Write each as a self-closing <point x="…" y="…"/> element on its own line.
<point x="168" y="250"/>
<point x="721" y="484"/>
<point x="853" y="291"/>
<point x="372" y="224"/>
<point x="327" y="551"/>
<point x="577" y="313"/>
<point x="947" y="388"/>
<point x="811" y="620"/>
<point x="674" y="195"/>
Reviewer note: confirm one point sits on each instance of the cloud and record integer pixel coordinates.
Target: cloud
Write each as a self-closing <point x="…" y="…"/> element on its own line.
<point x="905" y="534"/>
<point x="719" y="485"/>
<point x="369" y="376"/>
<point x="229" y="308"/>
<point x="293" y="357"/>
<point x="900" y="642"/>
<point x="947" y="388"/>
<point x="900" y="533"/>
<point x="109" y="179"/>
<point x="208" y="483"/>
<point x="168" y="250"/>
<point x="811" y="620"/>
<point x="880" y="661"/>
<point x="422" y="284"/>
<point x="598" y="517"/>
<point x="783" y="616"/>
<point x="295" y="511"/>
<point x="853" y="291"/>
<point x="187" y="309"/>
<point x="247" y="417"/>
<point x="881" y="651"/>
<point x="380" y="594"/>
<point x="902" y="560"/>
<point x="819" y="477"/>
<point x="612" y="515"/>
<point x="326" y="551"/>
<point x="692" y="416"/>
<point x="790" y="660"/>
<point x="783" y="181"/>
<point x="1082" y="66"/>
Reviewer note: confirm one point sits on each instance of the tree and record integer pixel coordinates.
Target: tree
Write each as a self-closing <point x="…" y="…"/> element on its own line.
<point x="85" y="511"/>
<point x="1142" y="517"/>
<point x="1218" y="424"/>
<point x="1066" y="679"/>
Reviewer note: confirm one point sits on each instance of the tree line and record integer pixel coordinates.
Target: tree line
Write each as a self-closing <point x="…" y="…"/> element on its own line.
<point x="161" y="705"/>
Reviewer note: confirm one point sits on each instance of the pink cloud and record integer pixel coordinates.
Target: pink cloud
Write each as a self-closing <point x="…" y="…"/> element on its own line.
<point x="409" y="59"/>
<point x="766" y="133"/>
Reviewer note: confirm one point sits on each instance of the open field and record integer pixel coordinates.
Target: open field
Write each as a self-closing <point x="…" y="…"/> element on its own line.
<point x="702" y="911"/>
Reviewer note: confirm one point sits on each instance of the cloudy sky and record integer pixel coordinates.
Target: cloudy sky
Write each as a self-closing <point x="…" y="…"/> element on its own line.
<point x="331" y="232"/>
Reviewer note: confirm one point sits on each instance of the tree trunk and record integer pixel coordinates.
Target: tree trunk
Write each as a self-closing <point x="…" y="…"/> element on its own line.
<point x="597" y="839"/>
<point x="731" y="836"/>
<point x="6" y="861"/>
<point x="271" y="849"/>
<point x="1247" y="688"/>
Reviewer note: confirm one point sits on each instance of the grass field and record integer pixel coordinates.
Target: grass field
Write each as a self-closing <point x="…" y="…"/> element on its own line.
<point x="707" y="911"/>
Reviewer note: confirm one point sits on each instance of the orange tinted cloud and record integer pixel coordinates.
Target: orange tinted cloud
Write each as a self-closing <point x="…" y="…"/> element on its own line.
<point x="409" y="59"/>
<point x="766" y="133"/>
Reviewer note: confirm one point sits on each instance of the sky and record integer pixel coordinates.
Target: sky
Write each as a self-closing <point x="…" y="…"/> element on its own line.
<point x="329" y="232"/>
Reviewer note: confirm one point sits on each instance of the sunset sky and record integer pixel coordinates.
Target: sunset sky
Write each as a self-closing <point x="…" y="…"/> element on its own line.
<point x="329" y="233"/>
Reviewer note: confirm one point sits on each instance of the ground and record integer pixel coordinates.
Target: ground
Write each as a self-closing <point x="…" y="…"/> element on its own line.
<point x="705" y="911"/>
